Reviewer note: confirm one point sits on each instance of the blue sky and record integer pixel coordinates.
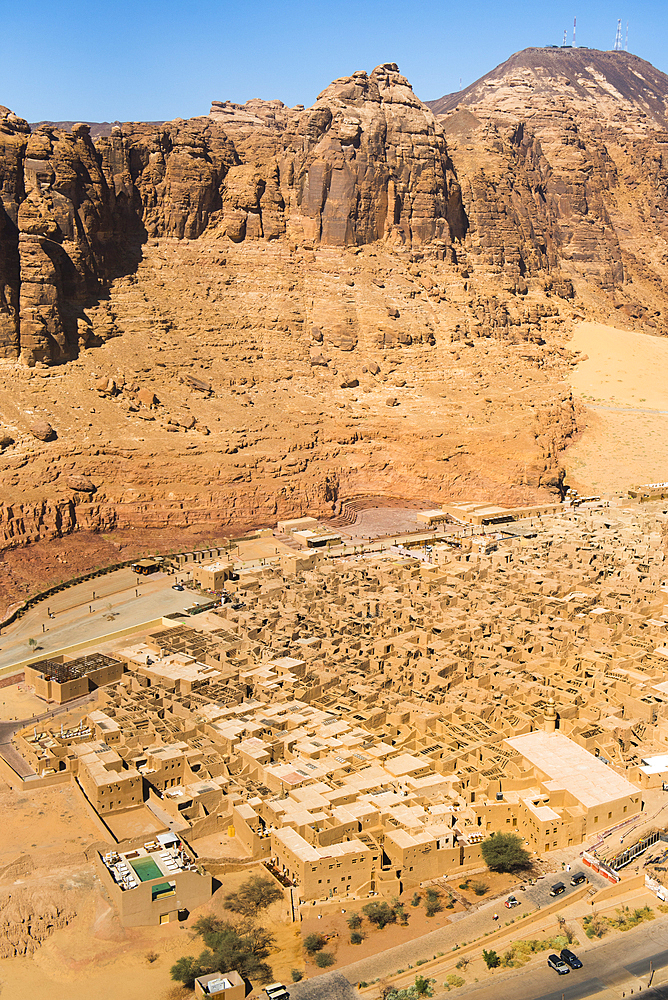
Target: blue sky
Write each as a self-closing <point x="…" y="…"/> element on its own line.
<point x="150" y="60"/>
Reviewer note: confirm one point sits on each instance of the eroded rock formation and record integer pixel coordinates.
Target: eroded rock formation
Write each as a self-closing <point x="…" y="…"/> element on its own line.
<point x="260" y="311"/>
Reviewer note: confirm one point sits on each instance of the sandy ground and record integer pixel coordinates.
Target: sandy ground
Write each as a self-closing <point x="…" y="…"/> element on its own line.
<point x="624" y="386"/>
<point x="333" y="921"/>
<point x="95" y="956"/>
<point x="136" y="823"/>
<point x="18" y="702"/>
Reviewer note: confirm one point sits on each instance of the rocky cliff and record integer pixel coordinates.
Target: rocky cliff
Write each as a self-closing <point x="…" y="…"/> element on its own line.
<point x="367" y="161"/>
<point x="267" y="309"/>
<point x="562" y="156"/>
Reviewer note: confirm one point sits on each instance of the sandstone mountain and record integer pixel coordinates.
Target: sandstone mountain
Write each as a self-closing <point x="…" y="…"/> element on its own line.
<point x="274" y="308"/>
<point x="562" y="155"/>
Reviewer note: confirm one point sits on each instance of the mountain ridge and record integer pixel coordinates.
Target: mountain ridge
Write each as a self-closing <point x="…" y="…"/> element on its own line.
<point x="590" y="73"/>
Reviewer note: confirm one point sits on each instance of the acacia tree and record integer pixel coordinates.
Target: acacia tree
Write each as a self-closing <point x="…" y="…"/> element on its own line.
<point x="504" y="852"/>
<point x="254" y="895"/>
<point x="228" y="947"/>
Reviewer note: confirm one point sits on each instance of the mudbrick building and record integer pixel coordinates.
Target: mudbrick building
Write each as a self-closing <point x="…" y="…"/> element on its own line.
<point x="360" y="725"/>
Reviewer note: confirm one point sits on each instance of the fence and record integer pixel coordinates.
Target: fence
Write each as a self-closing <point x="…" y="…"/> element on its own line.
<point x="626" y="857"/>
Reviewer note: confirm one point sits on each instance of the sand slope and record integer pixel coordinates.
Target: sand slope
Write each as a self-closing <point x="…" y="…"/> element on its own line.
<point x="623" y="383"/>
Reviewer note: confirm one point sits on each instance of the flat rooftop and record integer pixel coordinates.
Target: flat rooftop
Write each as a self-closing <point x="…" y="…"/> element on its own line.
<point x="570" y="766"/>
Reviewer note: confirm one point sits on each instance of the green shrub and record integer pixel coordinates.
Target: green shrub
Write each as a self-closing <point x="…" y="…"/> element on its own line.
<point x="356" y="937"/>
<point x="595" y="926"/>
<point x="415" y="901"/>
<point x="453" y="980"/>
<point x="256" y="893"/>
<point x="380" y="914"/>
<point x="625" y="919"/>
<point x="433" y="903"/>
<point x="324" y="959"/>
<point x="242" y="948"/>
<point x="491" y="959"/>
<point x="314" y="942"/>
<point x="479" y="888"/>
<point x="297" y="975"/>
<point x="354" y="921"/>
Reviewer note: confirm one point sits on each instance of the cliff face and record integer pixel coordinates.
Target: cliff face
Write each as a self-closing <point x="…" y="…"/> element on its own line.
<point x="268" y="309"/>
<point x="366" y="162"/>
<point x="541" y="168"/>
<point x="13" y="140"/>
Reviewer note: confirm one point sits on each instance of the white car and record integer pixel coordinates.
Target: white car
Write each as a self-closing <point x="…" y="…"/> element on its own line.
<point x="276" y="991"/>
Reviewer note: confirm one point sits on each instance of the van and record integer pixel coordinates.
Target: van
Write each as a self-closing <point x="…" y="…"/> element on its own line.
<point x="557" y="889"/>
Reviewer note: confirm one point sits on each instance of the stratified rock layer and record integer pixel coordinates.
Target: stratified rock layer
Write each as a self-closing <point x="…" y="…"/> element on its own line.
<point x="562" y="156"/>
<point x="266" y="309"/>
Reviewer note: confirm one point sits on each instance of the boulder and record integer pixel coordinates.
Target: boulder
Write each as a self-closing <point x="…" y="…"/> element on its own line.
<point x="147" y="397"/>
<point x="42" y="430"/>
<point x="81" y="484"/>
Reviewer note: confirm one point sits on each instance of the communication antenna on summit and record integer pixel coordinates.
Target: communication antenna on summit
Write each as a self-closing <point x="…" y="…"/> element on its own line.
<point x="565" y="37"/>
<point x="626" y="47"/>
<point x="618" y="36"/>
<point x="574" y="20"/>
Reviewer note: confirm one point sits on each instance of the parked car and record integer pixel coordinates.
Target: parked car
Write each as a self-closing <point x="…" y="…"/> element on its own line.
<point x="570" y="959"/>
<point x="557" y="889"/>
<point x="177" y="586"/>
<point x="557" y="964"/>
<point x="276" y="991"/>
<point x="578" y="878"/>
<point x="512" y="901"/>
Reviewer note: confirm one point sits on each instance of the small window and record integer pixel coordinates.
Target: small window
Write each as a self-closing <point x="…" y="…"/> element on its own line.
<point x="609" y="815"/>
<point x="625" y="808"/>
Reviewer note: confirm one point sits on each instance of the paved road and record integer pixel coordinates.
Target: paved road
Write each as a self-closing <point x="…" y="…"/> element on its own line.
<point x="613" y="968"/>
<point x="80" y="618"/>
<point x="466" y="926"/>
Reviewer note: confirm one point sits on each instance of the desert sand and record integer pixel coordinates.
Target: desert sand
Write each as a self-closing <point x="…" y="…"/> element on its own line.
<point x="94" y="955"/>
<point x="621" y="380"/>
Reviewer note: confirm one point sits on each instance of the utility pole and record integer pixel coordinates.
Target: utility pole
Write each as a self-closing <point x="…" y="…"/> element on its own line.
<point x="574" y="21"/>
